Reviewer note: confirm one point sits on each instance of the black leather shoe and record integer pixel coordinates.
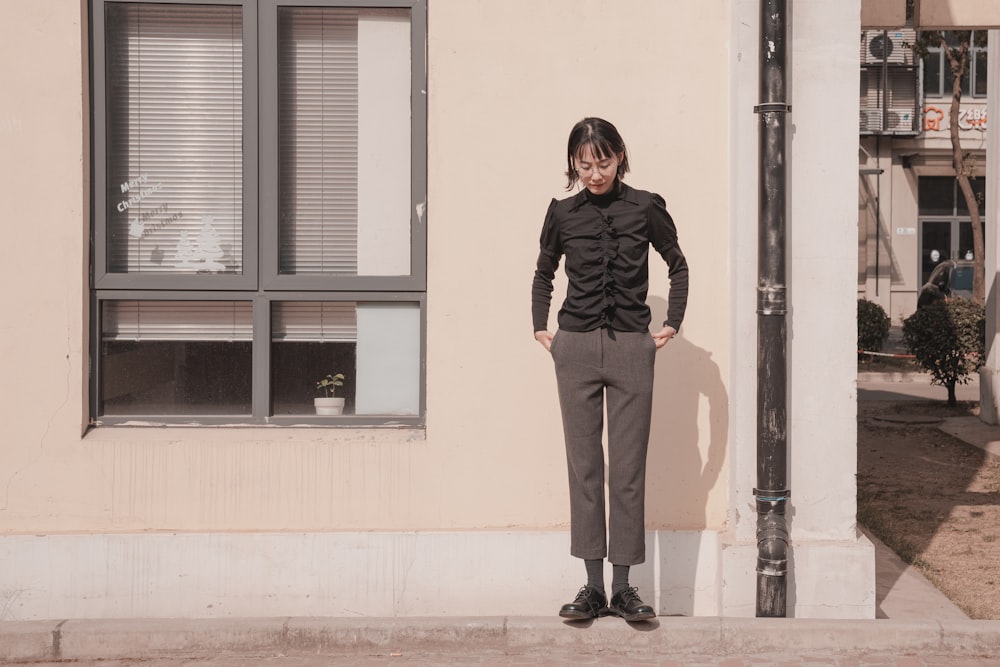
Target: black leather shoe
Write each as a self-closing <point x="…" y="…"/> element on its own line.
<point x="589" y="603"/>
<point x="630" y="606"/>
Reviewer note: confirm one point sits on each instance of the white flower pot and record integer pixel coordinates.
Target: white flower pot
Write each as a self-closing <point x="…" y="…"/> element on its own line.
<point x="329" y="406"/>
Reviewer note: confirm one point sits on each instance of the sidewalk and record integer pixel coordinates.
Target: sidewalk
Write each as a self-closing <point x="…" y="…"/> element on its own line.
<point x="916" y="625"/>
<point x="497" y="640"/>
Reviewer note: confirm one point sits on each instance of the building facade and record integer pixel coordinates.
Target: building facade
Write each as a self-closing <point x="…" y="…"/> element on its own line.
<point x="227" y="236"/>
<point x="912" y="215"/>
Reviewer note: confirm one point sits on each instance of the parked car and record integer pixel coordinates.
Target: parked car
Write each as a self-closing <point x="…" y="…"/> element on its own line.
<point x="950" y="279"/>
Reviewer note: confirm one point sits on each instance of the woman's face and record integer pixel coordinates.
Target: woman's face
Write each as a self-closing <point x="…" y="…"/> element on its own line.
<point x="596" y="174"/>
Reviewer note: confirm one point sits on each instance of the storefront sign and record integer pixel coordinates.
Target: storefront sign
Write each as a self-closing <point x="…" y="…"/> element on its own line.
<point x="969" y="118"/>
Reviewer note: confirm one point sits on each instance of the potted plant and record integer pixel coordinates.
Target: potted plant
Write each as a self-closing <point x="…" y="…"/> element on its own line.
<point x="329" y="403"/>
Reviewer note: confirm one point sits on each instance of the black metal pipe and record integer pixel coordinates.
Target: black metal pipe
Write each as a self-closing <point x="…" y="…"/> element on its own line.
<point x="878" y="197"/>
<point x="772" y="434"/>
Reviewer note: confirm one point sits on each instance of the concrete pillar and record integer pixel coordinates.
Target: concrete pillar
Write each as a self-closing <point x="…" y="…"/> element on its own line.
<point x="831" y="567"/>
<point x="989" y="374"/>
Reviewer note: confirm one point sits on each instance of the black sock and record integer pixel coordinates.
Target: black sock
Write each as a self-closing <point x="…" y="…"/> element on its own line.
<point x="595" y="573"/>
<point x="619" y="578"/>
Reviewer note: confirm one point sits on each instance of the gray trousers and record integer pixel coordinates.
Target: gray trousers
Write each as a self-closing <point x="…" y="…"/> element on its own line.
<point x="592" y="367"/>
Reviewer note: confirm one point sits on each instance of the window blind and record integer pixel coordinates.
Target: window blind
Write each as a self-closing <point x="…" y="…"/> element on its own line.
<point x="175" y="108"/>
<point x="314" y="321"/>
<point x="318" y="140"/>
<point x="177" y="320"/>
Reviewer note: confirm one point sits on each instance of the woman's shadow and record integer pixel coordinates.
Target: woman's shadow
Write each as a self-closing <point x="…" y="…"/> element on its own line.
<point x="687" y="450"/>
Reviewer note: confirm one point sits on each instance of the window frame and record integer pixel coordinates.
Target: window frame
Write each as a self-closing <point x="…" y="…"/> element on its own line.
<point x="103" y="279"/>
<point x="259" y="281"/>
<point x="271" y="278"/>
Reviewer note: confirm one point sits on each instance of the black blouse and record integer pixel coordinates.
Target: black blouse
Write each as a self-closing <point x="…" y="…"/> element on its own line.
<point x="606" y="240"/>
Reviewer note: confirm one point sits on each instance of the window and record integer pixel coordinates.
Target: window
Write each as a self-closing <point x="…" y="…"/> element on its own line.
<point x="940" y="195"/>
<point x="259" y="183"/>
<point x="945" y="225"/>
<point x="938" y="79"/>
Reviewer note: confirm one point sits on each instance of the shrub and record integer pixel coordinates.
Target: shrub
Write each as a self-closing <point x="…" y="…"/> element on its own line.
<point x="873" y="326"/>
<point x="948" y="338"/>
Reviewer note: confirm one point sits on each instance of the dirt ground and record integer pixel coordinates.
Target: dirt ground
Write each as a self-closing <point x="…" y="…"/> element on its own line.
<point x="933" y="499"/>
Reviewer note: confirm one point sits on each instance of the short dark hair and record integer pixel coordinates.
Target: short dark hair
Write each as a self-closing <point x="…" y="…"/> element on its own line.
<point x="602" y="138"/>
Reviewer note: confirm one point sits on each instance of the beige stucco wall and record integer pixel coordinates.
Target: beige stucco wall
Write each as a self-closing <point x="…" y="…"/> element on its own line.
<point x="495" y="164"/>
<point x="43" y="206"/>
<point x="503" y="93"/>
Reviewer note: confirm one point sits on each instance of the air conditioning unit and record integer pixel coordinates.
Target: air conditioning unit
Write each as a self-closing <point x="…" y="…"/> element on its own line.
<point x="871" y="120"/>
<point x="888" y="46"/>
<point x="898" y="121"/>
<point x="901" y="121"/>
<point x="889" y="100"/>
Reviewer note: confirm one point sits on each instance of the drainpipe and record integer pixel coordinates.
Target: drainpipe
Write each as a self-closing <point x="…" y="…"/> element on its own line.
<point x="772" y="455"/>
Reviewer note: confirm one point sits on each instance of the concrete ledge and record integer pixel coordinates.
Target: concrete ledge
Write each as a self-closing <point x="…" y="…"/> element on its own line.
<point x="337" y="635"/>
<point x="137" y="639"/>
<point x="28" y="640"/>
<point x="793" y="635"/>
<point x="133" y="638"/>
<point x="970" y="637"/>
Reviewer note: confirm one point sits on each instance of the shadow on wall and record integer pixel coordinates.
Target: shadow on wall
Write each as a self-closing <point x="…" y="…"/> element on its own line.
<point x="679" y="478"/>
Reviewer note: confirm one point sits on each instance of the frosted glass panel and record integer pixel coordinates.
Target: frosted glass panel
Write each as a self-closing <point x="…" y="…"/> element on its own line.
<point x="388" y="359"/>
<point x="384" y="137"/>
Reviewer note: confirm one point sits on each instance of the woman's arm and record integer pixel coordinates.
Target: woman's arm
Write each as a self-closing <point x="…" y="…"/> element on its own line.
<point x="549" y="253"/>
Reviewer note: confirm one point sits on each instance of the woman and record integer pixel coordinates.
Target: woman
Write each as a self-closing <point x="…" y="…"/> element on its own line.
<point x="603" y="350"/>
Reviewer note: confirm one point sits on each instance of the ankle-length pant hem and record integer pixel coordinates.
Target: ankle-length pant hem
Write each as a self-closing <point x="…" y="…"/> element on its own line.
<point x="617" y="367"/>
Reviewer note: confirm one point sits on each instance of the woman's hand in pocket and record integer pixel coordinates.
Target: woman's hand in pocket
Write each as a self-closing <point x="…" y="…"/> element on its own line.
<point x="662" y="336"/>
<point x="545" y="338"/>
